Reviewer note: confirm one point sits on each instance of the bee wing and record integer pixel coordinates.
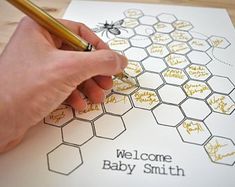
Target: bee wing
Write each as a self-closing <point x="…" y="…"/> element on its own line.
<point x="115" y="31"/>
<point x="119" y="22"/>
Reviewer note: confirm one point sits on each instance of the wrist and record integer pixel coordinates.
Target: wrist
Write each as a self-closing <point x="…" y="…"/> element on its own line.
<point x="10" y="131"/>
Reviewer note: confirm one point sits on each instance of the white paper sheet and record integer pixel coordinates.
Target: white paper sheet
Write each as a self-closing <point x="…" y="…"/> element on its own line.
<point x="175" y="129"/>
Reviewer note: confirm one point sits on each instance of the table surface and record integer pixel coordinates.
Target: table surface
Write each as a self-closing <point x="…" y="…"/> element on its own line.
<point x="9" y="16"/>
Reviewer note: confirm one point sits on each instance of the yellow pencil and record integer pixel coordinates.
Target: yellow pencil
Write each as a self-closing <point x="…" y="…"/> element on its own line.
<point x="58" y="29"/>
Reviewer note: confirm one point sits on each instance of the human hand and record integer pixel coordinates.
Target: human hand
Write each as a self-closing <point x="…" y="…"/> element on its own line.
<point x="39" y="71"/>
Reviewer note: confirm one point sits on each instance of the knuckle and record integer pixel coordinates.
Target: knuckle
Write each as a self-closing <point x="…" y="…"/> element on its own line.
<point x="25" y="20"/>
<point x="111" y="60"/>
<point x="110" y="56"/>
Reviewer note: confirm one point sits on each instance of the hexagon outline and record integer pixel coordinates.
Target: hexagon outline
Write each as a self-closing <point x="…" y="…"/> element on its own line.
<point x="129" y="98"/>
<point x="95" y="133"/>
<point x="202" y="121"/>
<point x="151" y="90"/>
<point x="152" y="111"/>
<point x="209" y="41"/>
<point x="73" y="113"/>
<point x="215" y="136"/>
<point x="48" y="161"/>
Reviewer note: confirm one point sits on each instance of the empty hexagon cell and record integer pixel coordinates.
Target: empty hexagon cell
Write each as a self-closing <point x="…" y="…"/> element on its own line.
<point x="140" y="41"/>
<point x="179" y="47"/>
<point x="122" y="87"/>
<point x="171" y="94"/>
<point x="199" y="44"/>
<point x="150" y="80"/>
<point x="198" y="72"/>
<point x="60" y="116"/>
<point x="174" y="76"/>
<point x="135" y="54"/>
<point x="163" y="27"/>
<point x="130" y="23"/>
<point x="144" y="30"/>
<point x="221" y="84"/>
<point x="182" y="25"/>
<point x="133" y="13"/>
<point x="194" y="131"/>
<point x="77" y="132"/>
<point x="148" y="20"/>
<point x="197" y="89"/>
<point x="219" y="42"/>
<point x="181" y="36"/>
<point x="198" y="57"/>
<point x="119" y="44"/>
<point x="109" y="126"/>
<point x="167" y="18"/>
<point x="157" y="50"/>
<point x="161" y="38"/>
<point x="91" y="112"/>
<point x="145" y="99"/>
<point x="196" y="109"/>
<point x="133" y="68"/>
<point x="169" y="115"/>
<point x="64" y="159"/>
<point x="156" y="65"/>
<point x="221" y="150"/>
<point x="117" y="104"/>
<point x="177" y="61"/>
<point x="221" y="103"/>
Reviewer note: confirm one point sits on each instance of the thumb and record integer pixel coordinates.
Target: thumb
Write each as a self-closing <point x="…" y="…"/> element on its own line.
<point x="101" y="62"/>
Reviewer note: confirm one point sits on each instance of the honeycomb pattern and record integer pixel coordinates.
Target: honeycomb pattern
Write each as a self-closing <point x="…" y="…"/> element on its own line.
<point x="170" y="68"/>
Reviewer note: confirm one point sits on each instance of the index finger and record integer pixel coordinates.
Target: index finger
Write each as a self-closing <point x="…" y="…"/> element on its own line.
<point x="86" y="33"/>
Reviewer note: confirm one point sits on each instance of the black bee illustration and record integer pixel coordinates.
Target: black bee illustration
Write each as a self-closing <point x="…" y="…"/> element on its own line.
<point x="112" y="28"/>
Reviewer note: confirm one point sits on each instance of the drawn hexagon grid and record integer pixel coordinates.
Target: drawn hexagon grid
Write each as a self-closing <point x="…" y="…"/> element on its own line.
<point x="148" y="20"/>
<point x="123" y="87"/>
<point x="144" y="30"/>
<point x="199" y="57"/>
<point x="181" y="36"/>
<point x="92" y="112"/>
<point x="194" y="131"/>
<point x="109" y="126"/>
<point x="174" y="76"/>
<point x="167" y="18"/>
<point x="154" y="64"/>
<point x="156" y="80"/>
<point x="194" y="108"/>
<point x="163" y="111"/>
<point x="221" y="84"/>
<point x="171" y="94"/>
<point x="133" y="68"/>
<point x="131" y="54"/>
<point x="77" y="132"/>
<point x="177" y="61"/>
<point x="130" y="23"/>
<point x="161" y="38"/>
<point x="64" y="159"/>
<point x="219" y="42"/>
<point x="140" y="41"/>
<point x="221" y="103"/>
<point x="169" y="67"/>
<point x="163" y="27"/>
<point x="60" y="116"/>
<point x="197" y="89"/>
<point x="221" y="150"/>
<point x="145" y="99"/>
<point x="117" y="104"/>
<point x="157" y="50"/>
